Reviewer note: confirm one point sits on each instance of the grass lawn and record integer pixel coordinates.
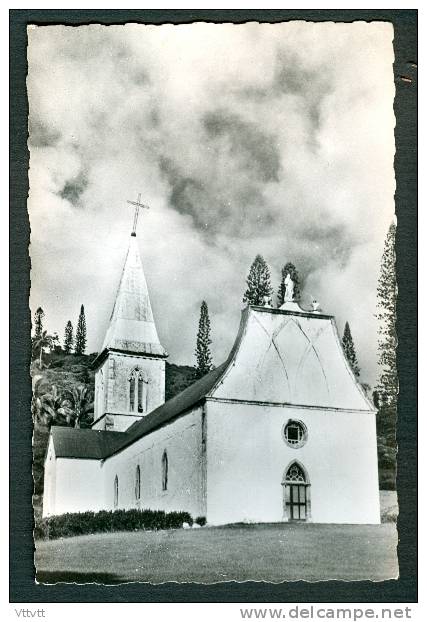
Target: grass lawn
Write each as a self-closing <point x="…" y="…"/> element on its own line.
<point x="274" y="553"/>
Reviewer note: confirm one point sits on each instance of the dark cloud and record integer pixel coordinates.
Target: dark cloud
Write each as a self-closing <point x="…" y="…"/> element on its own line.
<point x="189" y="196"/>
<point x="222" y="191"/>
<point x="231" y="209"/>
<point x="255" y="151"/>
<point x="292" y="78"/>
<point x="41" y="135"/>
<point x="271" y="139"/>
<point x="73" y="189"/>
<point x="139" y="76"/>
<point x="186" y="195"/>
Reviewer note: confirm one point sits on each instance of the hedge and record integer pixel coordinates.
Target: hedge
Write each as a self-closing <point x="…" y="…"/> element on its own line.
<point x="79" y="523"/>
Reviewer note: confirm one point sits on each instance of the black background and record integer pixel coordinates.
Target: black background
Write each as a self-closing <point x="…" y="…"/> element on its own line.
<point x="22" y="584"/>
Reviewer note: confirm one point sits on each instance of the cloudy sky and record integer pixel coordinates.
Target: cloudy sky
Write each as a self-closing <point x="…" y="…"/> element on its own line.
<point x="243" y="139"/>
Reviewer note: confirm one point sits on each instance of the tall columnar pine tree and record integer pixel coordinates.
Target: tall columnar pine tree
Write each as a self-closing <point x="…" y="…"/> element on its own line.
<point x="203" y="353"/>
<point x="349" y="350"/>
<point x="38" y="322"/>
<point x="68" y="338"/>
<point x="81" y="339"/>
<point x="290" y="269"/>
<point x="387" y="386"/>
<point x="259" y="283"/>
<point x="40" y="339"/>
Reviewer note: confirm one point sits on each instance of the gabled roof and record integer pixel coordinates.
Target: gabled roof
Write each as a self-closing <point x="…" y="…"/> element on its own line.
<point x="192" y="395"/>
<point x="100" y="444"/>
<point x="84" y="443"/>
<point x="184" y="401"/>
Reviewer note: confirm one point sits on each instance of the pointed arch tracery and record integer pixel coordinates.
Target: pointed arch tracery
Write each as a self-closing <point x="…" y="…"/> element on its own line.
<point x="295" y="472"/>
<point x="296" y="493"/>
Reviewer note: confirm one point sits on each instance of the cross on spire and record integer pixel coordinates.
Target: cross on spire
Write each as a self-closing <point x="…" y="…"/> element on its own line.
<point x="137" y="205"/>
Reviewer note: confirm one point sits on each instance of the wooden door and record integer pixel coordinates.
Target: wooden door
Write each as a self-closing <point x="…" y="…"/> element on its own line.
<point x="296" y="501"/>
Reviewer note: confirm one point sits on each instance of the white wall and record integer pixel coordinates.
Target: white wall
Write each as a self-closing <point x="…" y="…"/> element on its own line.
<point x="101" y="389"/>
<point x="182" y="440"/>
<point x="49" y="489"/>
<point x="75" y="485"/>
<point x="247" y="457"/>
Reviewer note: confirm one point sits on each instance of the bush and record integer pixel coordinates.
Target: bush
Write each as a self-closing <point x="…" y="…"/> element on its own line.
<point x="80" y="523"/>
<point x="201" y="520"/>
<point x="389" y="515"/>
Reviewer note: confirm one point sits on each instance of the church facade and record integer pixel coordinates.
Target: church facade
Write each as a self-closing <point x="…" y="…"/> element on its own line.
<point x="281" y="431"/>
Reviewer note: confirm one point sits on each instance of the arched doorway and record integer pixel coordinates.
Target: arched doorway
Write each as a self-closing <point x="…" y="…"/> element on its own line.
<point x="296" y="493"/>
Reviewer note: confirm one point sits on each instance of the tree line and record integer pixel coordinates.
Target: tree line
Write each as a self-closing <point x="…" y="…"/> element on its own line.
<point x="259" y="291"/>
<point x="41" y="340"/>
<point x="69" y="406"/>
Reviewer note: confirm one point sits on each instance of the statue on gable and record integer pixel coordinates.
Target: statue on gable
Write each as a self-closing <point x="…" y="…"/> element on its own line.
<point x="315" y="306"/>
<point x="289" y="291"/>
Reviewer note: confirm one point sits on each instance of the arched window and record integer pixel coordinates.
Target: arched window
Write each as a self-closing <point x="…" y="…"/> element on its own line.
<point x="165" y="468"/>
<point x="296" y="492"/>
<point x="138" y="391"/>
<point x="100" y="392"/>
<point x="116" y="492"/>
<point x="140" y="395"/>
<point x="132" y="394"/>
<point x="138" y="483"/>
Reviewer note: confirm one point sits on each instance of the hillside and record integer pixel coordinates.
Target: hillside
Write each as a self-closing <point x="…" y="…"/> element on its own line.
<point x="178" y="378"/>
<point x="69" y="370"/>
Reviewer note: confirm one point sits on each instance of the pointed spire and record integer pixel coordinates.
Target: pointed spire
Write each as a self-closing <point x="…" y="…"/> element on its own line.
<point x="132" y="326"/>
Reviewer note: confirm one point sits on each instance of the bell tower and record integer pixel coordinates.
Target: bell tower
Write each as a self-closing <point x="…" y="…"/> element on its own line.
<point x="130" y="370"/>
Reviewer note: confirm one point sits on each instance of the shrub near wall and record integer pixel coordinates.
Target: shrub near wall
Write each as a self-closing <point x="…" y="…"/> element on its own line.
<point x="79" y="523"/>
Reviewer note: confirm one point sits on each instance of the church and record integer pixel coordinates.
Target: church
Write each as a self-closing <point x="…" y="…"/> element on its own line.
<point x="281" y="431"/>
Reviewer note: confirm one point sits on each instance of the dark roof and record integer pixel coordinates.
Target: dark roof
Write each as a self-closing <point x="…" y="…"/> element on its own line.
<point x="192" y="395"/>
<point x="103" y="355"/>
<point x="84" y="443"/>
<point x="99" y="444"/>
<point x="182" y="402"/>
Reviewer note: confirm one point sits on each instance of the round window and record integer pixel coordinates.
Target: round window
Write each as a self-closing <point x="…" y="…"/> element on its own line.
<point x="295" y="433"/>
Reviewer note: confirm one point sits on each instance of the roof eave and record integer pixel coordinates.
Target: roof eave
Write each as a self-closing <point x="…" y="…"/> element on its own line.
<point x="103" y="355"/>
<point x="308" y="314"/>
<point x="183" y="412"/>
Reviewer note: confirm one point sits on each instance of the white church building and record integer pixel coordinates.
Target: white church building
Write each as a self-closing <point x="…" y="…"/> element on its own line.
<point x="281" y="431"/>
